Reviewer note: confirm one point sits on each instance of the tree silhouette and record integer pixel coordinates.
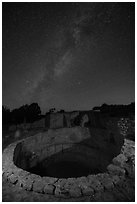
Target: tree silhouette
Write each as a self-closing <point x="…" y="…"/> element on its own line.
<point x="117" y="110"/>
<point x="61" y="111"/>
<point x="26" y="113"/>
<point x="33" y="112"/>
<point x="52" y="110"/>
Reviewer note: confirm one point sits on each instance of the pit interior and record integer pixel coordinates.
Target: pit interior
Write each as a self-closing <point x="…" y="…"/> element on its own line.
<point x="69" y="162"/>
<point x="80" y="153"/>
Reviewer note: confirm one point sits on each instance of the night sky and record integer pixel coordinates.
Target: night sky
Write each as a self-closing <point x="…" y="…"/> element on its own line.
<point x="71" y="56"/>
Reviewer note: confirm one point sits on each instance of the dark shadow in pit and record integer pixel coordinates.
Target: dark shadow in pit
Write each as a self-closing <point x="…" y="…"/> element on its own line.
<point x="63" y="169"/>
<point x="91" y="156"/>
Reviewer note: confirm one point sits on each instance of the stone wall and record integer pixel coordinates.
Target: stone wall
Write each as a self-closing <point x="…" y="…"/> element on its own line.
<point x="89" y="119"/>
<point x="56" y="120"/>
<point x="77" y="118"/>
<point x="38" y="124"/>
<point x="121" y="168"/>
<point x="69" y="118"/>
<point x="100" y="145"/>
<point x="26" y="126"/>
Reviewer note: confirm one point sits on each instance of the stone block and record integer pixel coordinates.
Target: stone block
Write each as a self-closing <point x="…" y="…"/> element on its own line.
<point x="95" y="183"/>
<point x="61" y="192"/>
<point x="61" y="183"/>
<point x="129" y="143"/>
<point x="38" y="186"/>
<point x="113" y="169"/>
<point x="75" y="192"/>
<point x="81" y="180"/>
<point x="115" y="179"/>
<point x="87" y="191"/>
<point x="13" y="178"/>
<point x="56" y="120"/>
<point x="120" y="160"/>
<point x="49" y="189"/>
<point x="49" y="180"/>
<point x="107" y="183"/>
<point x="34" y="177"/>
<point x="130" y="169"/>
<point x="27" y="184"/>
<point x="8" y="172"/>
<point x="21" y="173"/>
<point x="128" y="151"/>
<point x="69" y="182"/>
<point x="106" y="180"/>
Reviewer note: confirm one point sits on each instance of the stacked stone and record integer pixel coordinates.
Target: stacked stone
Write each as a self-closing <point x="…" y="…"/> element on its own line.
<point x="121" y="167"/>
<point x="122" y="124"/>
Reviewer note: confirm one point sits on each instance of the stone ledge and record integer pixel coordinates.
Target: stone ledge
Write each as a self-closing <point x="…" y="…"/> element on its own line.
<point x="71" y="187"/>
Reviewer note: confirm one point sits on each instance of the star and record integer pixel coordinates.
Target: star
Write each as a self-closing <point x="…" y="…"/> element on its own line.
<point x="79" y="83"/>
<point x="27" y="82"/>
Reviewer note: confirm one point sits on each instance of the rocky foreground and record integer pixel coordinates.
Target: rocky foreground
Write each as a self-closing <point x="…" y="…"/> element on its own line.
<point x="122" y="189"/>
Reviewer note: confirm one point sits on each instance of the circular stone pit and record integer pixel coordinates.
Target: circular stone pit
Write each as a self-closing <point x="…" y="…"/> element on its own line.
<point x="121" y="166"/>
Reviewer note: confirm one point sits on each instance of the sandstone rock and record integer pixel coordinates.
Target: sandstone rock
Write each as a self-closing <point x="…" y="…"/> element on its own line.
<point x="130" y="169"/>
<point x="69" y="183"/>
<point x="115" y="179"/>
<point x="128" y="151"/>
<point x="106" y="180"/>
<point x="33" y="177"/>
<point x="27" y="184"/>
<point x="95" y="183"/>
<point x="120" y="160"/>
<point x="113" y="169"/>
<point x="13" y="178"/>
<point x="61" y="192"/>
<point x="67" y="187"/>
<point x="49" y="189"/>
<point x="38" y="186"/>
<point x="49" y="180"/>
<point x="128" y="148"/>
<point x="82" y="181"/>
<point x="75" y="192"/>
<point x="129" y="143"/>
<point x="21" y="173"/>
<point x="87" y="191"/>
<point x="61" y="183"/>
<point x="8" y="172"/>
<point x="107" y="183"/>
<point x="101" y="176"/>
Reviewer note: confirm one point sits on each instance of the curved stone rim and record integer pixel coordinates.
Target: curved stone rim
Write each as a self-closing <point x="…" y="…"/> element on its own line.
<point x="70" y="187"/>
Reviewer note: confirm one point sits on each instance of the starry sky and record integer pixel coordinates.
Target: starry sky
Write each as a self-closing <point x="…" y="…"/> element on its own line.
<point x="71" y="56"/>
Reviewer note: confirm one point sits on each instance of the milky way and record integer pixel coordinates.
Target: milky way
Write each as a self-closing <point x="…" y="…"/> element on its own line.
<point x="68" y="55"/>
